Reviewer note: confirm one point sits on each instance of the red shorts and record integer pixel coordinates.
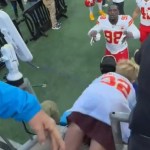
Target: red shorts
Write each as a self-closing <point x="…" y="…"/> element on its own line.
<point x="144" y="32"/>
<point x="121" y="55"/>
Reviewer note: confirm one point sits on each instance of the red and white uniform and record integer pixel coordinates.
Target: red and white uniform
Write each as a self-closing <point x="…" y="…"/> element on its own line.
<point x="144" y="18"/>
<point x="113" y="33"/>
<point x="109" y="93"/>
<point x="145" y="12"/>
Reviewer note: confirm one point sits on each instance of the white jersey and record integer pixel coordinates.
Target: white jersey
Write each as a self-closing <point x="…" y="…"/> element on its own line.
<point x="114" y="33"/>
<point x="109" y="93"/>
<point x="145" y="11"/>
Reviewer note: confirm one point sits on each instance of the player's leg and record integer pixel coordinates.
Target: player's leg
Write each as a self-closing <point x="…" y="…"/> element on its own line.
<point x="143" y="33"/>
<point x="91" y="15"/>
<point x="99" y="4"/>
<point x="121" y="55"/>
<point x="74" y="137"/>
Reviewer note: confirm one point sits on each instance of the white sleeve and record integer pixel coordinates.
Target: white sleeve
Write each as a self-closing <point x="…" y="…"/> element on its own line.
<point x="97" y="27"/>
<point x="133" y="29"/>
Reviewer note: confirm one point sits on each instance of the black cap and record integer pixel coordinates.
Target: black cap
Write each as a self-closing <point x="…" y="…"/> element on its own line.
<point x="108" y="64"/>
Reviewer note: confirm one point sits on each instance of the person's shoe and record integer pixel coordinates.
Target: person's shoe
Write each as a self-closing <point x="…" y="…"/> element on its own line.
<point x="101" y="12"/>
<point x="56" y="27"/>
<point x="92" y="17"/>
<point x="105" y="5"/>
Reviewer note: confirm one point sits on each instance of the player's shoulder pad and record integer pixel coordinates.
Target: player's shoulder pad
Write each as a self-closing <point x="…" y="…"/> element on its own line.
<point x="128" y="19"/>
<point x="102" y="17"/>
<point x="125" y="17"/>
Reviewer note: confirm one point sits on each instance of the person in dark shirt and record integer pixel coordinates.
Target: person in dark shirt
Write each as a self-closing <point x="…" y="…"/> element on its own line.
<point x="140" y="117"/>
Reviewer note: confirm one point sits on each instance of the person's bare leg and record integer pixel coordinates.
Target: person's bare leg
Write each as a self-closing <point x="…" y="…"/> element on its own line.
<point x="74" y="137"/>
<point x="96" y="146"/>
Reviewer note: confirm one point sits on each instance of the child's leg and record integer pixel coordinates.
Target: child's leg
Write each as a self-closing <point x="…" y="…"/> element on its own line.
<point x="94" y="145"/>
<point x="74" y="137"/>
<point x="91" y="13"/>
<point x="99" y="4"/>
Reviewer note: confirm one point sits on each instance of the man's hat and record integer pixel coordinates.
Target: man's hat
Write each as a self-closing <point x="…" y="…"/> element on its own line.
<point x="108" y="64"/>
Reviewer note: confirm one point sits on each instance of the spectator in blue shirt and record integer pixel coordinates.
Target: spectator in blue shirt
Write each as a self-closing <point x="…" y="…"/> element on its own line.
<point x="22" y="106"/>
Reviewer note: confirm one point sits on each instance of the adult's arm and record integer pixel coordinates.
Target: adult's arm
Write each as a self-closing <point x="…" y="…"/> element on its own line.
<point x="96" y="29"/>
<point x="22" y="106"/>
<point x="17" y="104"/>
<point x="136" y="13"/>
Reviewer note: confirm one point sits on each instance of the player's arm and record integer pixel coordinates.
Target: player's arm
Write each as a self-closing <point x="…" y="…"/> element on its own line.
<point x="132" y="30"/>
<point x="136" y="13"/>
<point x="96" y="29"/>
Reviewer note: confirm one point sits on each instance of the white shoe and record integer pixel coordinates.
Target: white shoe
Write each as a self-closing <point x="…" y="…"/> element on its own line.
<point x="106" y="5"/>
<point x="57" y="26"/>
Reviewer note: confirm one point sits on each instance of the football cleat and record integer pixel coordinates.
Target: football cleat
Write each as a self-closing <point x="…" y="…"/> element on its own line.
<point x="101" y="12"/>
<point x="91" y="17"/>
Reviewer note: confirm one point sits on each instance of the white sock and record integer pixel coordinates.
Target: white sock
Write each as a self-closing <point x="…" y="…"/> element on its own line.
<point x="99" y="4"/>
<point x="91" y="9"/>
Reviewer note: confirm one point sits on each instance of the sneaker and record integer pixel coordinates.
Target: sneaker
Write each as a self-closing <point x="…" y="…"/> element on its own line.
<point x="101" y="12"/>
<point x="92" y="17"/>
<point x="105" y="5"/>
<point x="56" y="27"/>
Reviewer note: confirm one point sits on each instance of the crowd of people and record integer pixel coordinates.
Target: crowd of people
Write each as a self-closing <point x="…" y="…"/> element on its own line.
<point x="88" y="120"/>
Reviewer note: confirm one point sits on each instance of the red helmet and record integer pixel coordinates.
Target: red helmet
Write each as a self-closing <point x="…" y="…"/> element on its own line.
<point x="89" y="3"/>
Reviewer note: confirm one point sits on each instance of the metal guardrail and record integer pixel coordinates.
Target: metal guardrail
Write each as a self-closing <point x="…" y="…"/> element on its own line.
<point x="37" y="17"/>
<point x="116" y="118"/>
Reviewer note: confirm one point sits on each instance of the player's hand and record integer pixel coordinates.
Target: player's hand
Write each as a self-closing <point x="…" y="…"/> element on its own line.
<point x="45" y="128"/>
<point x="93" y="33"/>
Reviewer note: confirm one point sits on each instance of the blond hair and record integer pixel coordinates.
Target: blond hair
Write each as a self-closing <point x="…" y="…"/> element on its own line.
<point x="128" y="68"/>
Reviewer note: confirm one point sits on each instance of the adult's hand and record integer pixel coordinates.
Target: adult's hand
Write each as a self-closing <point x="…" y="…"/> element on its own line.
<point x="45" y="127"/>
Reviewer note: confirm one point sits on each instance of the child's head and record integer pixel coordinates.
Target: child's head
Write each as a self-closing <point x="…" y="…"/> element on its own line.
<point x="128" y="69"/>
<point x="108" y="64"/>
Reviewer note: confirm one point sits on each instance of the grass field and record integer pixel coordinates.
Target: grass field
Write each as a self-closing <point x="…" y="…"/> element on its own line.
<point x="67" y="61"/>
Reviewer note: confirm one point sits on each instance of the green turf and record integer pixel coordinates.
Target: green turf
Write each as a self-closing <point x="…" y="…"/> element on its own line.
<point x="67" y="61"/>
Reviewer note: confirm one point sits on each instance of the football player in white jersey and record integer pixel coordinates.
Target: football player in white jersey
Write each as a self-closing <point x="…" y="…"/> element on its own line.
<point x="90" y="113"/>
<point x="143" y="8"/>
<point x="116" y="28"/>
